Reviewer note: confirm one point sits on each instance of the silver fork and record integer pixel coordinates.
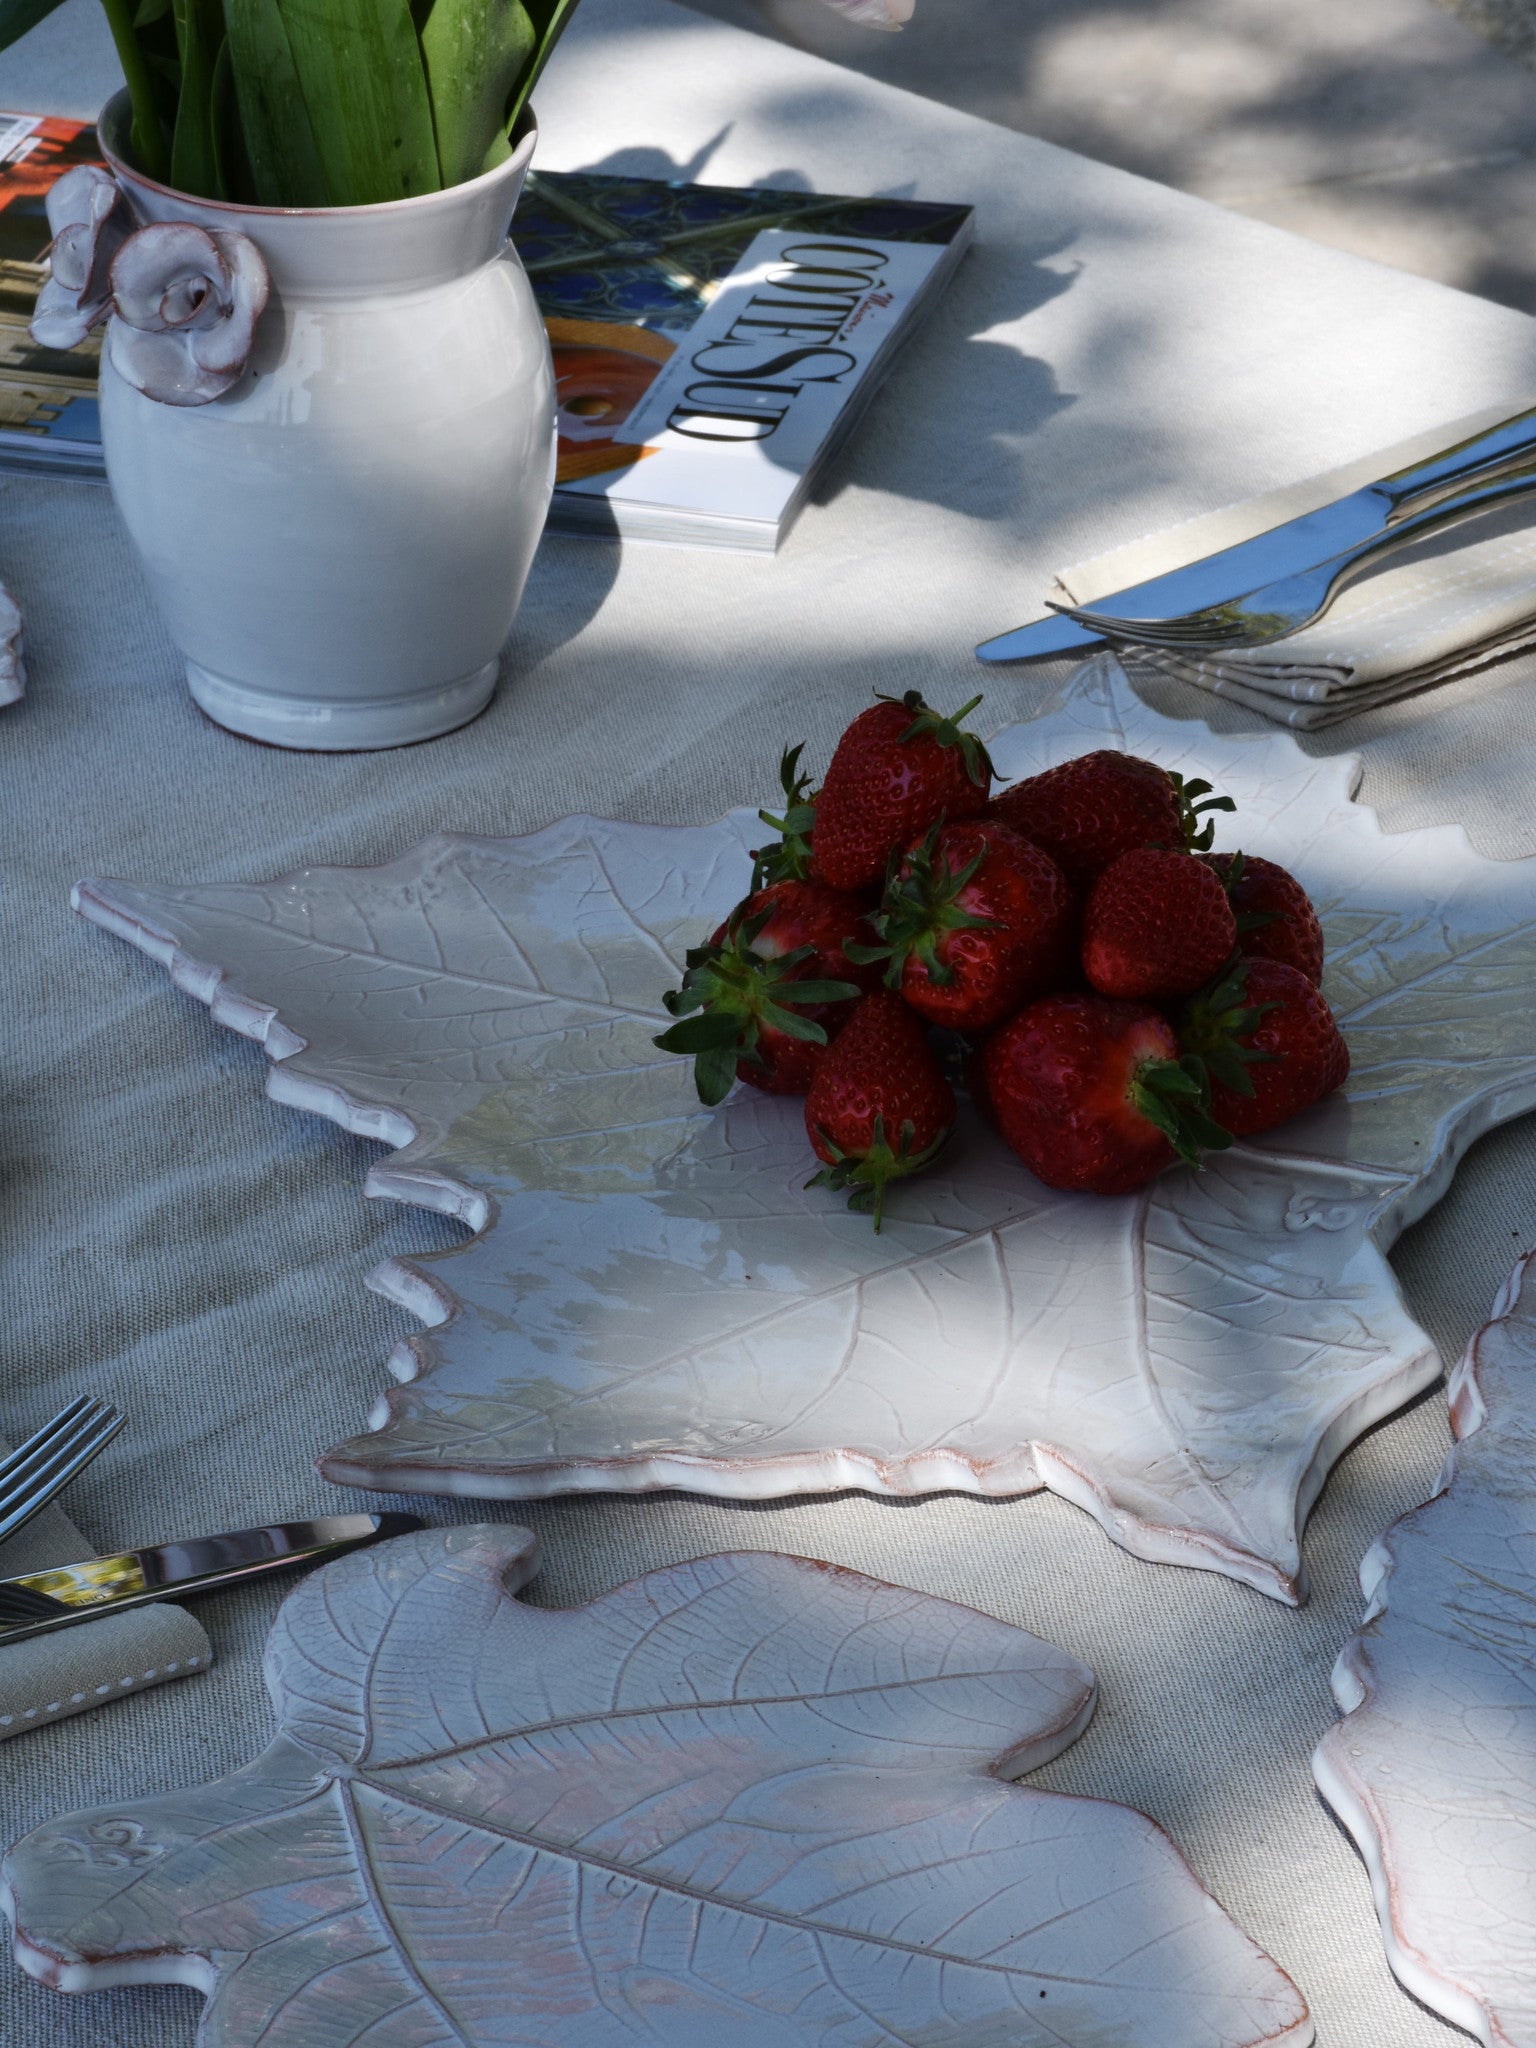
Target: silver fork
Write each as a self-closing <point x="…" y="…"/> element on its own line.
<point x="47" y="1461"/>
<point x="1279" y="609"/>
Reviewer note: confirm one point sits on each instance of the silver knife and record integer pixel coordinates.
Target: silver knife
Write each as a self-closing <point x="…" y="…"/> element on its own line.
<point x="39" y="1602"/>
<point x="1284" y="550"/>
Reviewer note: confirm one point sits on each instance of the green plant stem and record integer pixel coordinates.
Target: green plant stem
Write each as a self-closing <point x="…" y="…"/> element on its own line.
<point x="474" y="51"/>
<point x="148" y="135"/>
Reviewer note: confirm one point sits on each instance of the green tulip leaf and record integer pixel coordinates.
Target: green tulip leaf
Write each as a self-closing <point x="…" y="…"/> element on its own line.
<point x="200" y="36"/>
<point x="475" y="52"/>
<point x="360" y="71"/>
<point x="153" y="103"/>
<point x="232" y="177"/>
<point x="280" y="146"/>
<point x="17" y="16"/>
<point x="550" y="19"/>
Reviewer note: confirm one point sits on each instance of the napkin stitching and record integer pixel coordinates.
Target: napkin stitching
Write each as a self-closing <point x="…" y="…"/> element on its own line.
<point x="1461" y="584"/>
<point x="78" y="1699"/>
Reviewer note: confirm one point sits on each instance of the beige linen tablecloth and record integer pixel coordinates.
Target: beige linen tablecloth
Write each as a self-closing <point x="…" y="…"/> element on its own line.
<point x="1113" y="357"/>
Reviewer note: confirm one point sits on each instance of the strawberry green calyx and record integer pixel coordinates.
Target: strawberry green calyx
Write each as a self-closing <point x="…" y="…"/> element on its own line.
<point x="920" y="908"/>
<point x="947" y="732"/>
<point x="868" y="1174"/>
<point x="1229" y="869"/>
<point x="738" y="994"/>
<point x="1195" y="801"/>
<point x="1175" y="1096"/>
<point x="1230" y="873"/>
<point x="1215" y="1021"/>
<point x="790" y="859"/>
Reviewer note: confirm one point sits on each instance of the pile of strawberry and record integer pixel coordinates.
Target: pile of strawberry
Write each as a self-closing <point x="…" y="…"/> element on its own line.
<point x="1118" y="995"/>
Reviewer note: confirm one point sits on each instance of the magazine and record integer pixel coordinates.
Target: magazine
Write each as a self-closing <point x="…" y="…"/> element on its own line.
<point x="712" y="344"/>
<point x="48" y="415"/>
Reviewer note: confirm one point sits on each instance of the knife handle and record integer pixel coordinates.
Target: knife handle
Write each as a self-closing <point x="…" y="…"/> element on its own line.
<point x="1441" y="515"/>
<point x="1508" y="446"/>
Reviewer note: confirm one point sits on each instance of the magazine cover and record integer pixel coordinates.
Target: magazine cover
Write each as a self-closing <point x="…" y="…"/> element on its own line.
<point x="48" y="416"/>
<point x="712" y="344"/>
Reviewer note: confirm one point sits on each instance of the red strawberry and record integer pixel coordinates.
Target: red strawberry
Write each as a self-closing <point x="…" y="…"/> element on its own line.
<point x="1094" y="1096"/>
<point x="771" y="988"/>
<point x="1275" y="918"/>
<point x="879" y="1107"/>
<point x="1089" y="811"/>
<point x="1269" y="1043"/>
<point x="974" y="922"/>
<point x="898" y="768"/>
<point x="1156" y="924"/>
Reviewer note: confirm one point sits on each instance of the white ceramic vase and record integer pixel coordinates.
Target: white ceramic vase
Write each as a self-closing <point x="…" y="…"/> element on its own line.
<point x="339" y="544"/>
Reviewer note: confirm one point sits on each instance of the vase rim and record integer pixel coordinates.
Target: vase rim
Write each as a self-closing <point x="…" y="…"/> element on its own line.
<point x="525" y="135"/>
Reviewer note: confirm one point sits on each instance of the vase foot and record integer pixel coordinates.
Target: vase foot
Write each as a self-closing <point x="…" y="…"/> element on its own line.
<point x="341" y="726"/>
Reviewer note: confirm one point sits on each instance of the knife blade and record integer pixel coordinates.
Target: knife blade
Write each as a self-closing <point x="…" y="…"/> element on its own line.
<point x="1044" y="639"/>
<point x="39" y="1602"/>
<point x="1284" y="550"/>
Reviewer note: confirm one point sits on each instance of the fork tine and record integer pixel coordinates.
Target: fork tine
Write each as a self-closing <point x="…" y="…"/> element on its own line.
<point x="1210" y="626"/>
<point x="20" y="1508"/>
<point x="1149" y="632"/>
<point x="1085" y="616"/>
<point x="97" y="1427"/>
<point x="65" y="1464"/>
<point x="1196" y="626"/>
<point x="39" y="1439"/>
<point x="28" y="1468"/>
<point x="1196" y="641"/>
<point x="1194" y="632"/>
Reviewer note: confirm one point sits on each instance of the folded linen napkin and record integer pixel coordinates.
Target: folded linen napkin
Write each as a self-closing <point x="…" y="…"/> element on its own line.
<point x="48" y="1677"/>
<point x="1441" y="608"/>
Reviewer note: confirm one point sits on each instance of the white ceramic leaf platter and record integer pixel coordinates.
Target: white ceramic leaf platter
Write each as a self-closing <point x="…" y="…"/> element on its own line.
<point x="1433" y="1768"/>
<point x="752" y="1798"/>
<point x="654" y="1299"/>
<point x="13" y="672"/>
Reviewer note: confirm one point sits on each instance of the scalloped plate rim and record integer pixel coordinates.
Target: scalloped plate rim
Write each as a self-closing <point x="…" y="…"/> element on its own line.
<point x="1033" y="1751"/>
<point x="1404" y="1198"/>
<point x="1349" y="1796"/>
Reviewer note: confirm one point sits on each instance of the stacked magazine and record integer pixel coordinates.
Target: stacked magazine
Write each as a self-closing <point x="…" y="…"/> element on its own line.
<point x="712" y="344"/>
<point x="48" y="416"/>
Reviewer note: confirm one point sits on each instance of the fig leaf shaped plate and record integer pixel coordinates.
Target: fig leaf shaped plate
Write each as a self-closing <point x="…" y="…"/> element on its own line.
<point x="654" y="1297"/>
<point x="751" y="1799"/>
<point x="13" y="671"/>
<point x="1433" y="1770"/>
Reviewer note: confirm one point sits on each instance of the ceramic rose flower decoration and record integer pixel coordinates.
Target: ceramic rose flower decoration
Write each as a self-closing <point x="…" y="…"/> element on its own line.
<point x="187" y="303"/>
<point x="90" y="222"/>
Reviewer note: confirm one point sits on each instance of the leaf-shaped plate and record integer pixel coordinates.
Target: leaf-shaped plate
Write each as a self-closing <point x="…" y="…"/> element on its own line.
<point x="655" y="1299"/>
<point x="1433" y="1770"/>
<point x="13" y="674"/>
<point x="752" y="1798"/>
